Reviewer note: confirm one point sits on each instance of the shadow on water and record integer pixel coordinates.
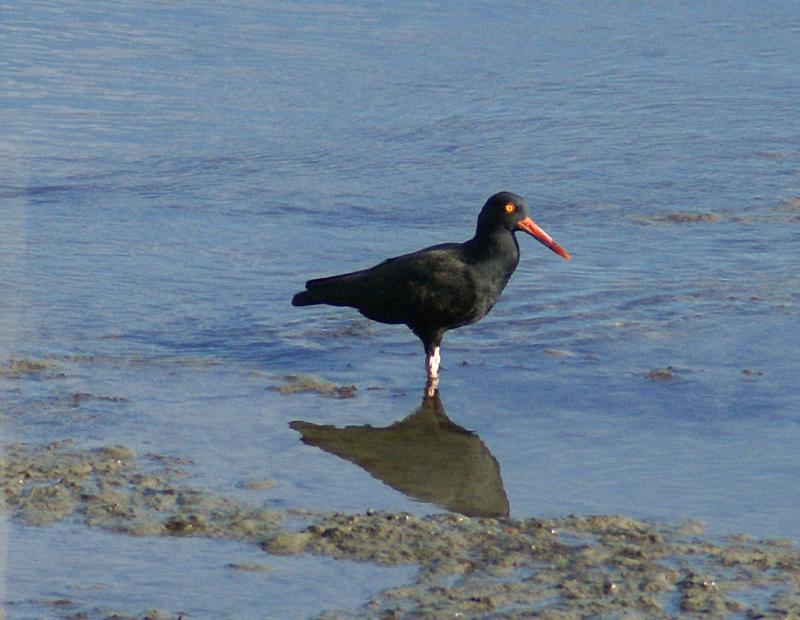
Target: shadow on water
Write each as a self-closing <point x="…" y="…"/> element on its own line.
<point x="426" y="456"/>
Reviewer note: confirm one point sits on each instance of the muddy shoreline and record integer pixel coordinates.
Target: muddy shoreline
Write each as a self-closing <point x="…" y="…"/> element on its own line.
<point x="570" y="567"/>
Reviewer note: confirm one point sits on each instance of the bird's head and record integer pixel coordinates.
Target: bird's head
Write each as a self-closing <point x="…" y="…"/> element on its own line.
<point x="508" y="211"/>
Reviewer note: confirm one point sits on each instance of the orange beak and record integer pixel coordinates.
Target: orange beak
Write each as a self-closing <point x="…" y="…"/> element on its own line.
<point x="530" y="227"/>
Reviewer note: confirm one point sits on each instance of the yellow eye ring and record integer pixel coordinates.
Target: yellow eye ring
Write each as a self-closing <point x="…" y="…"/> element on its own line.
<point x="511" y="207"/>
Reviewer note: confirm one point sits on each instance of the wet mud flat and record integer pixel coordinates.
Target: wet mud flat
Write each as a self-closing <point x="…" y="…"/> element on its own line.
<point x="570" y="567"/>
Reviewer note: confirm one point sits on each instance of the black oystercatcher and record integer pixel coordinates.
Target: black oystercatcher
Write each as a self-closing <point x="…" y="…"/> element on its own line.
<point x="441" y="287"/>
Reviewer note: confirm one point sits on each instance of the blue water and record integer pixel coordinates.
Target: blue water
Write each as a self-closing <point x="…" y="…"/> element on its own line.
<point x="171" y="173"/>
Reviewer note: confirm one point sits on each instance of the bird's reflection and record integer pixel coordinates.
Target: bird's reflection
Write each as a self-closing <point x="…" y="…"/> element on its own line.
<point x="425" y="456"/>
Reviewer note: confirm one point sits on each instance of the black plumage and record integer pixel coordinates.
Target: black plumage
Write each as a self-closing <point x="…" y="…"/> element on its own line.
<point x="441" y="287"/>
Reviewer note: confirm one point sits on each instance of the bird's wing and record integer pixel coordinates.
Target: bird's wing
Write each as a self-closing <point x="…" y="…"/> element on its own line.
<point x="430" y="286"/>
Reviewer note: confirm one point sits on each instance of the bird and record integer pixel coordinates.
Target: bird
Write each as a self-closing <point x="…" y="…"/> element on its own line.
<point x="441" y="287"/>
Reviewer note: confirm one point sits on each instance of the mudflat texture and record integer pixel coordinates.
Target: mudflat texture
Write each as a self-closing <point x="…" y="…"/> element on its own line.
<point x="572" y="567"/>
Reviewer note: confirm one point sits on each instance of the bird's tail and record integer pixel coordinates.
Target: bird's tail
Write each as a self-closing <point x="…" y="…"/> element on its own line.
<point x="303" y="298"/>
<point x="339" y="290"/>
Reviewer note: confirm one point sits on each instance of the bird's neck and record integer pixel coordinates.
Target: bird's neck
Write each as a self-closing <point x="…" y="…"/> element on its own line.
<point x="498" y="247"/>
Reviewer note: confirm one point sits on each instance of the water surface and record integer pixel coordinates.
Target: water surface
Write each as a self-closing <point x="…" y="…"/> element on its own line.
<point x="172" y="173"/>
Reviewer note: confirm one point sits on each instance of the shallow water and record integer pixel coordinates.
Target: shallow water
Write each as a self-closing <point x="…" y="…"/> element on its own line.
<point x="173" y="173"/>
<point x="134" y="575"/>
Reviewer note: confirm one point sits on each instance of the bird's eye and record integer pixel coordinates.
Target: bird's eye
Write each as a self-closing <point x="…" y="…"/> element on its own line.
<point x="511" y="207"/>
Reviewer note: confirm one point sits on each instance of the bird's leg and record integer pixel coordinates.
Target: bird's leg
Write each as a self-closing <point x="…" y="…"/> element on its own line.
<point x="431" y="386"/>
<point x="432" y="359"/>
<point x="431" y="342"/>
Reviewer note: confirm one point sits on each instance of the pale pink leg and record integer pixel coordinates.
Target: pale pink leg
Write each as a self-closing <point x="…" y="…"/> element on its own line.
<point x="432" y="367"/>
<point x="432" y="364"/>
